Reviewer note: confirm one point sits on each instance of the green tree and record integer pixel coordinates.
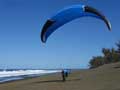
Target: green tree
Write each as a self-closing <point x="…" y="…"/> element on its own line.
<point x="118" y="46"/>
<point x="117" y="54"/>
<point x="96" y="61"/>
<point x="107" y="55"/>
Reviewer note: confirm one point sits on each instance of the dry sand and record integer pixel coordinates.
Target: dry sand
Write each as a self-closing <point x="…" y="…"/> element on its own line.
<point x="106" y="77"/>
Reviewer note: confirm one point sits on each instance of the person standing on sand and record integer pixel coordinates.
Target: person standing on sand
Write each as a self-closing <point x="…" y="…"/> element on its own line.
<point x="66" y="72"/>
<point x="63" y="76"/>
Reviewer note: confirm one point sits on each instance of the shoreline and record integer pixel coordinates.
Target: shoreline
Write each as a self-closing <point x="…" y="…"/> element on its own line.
<point x="105" y="77"/>
<point x="27" y="78"/>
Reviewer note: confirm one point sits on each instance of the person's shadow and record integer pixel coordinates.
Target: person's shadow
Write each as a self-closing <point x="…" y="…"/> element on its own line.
<point x="55" y="81"/>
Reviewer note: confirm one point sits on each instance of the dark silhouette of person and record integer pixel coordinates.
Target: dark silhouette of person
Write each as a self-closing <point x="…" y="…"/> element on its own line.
<point x="65" y="73"/>
<point x="63" y="76"/>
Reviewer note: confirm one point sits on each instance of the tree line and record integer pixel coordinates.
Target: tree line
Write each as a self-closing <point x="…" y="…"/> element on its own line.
<point x="110" y="55"/>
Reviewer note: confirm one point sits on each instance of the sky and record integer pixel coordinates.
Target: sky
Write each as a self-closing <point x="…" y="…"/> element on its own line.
<point x="71" y="46"/>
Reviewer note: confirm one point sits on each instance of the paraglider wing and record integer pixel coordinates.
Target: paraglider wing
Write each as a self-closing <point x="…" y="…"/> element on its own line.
<point x="67" y="15"/>
<point x="96" y="12"/>
<point x="47" y="24"/>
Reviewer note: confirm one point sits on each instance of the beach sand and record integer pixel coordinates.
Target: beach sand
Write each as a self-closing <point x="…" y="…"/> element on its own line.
<point x="106" y="77"/>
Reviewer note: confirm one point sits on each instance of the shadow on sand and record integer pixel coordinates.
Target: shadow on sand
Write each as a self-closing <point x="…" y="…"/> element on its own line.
<point x="55" y="81"/>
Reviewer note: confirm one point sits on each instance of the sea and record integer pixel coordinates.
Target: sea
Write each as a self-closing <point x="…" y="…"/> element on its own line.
<point x="7" y="75"/>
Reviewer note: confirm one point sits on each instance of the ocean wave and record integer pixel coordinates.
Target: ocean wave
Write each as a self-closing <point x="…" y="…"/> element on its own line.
<point x="25" y="72"/>
<point x="21" y="74"/>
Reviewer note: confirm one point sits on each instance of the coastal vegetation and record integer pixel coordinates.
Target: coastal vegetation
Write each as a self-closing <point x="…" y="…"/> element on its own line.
<point x="110" y="55"/>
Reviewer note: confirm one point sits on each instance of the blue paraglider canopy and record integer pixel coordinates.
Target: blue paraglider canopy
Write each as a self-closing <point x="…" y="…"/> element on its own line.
<point x="68" y="14"/>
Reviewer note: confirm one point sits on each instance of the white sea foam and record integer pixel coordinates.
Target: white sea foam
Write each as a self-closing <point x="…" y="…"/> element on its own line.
<point x="25" y="72"/>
